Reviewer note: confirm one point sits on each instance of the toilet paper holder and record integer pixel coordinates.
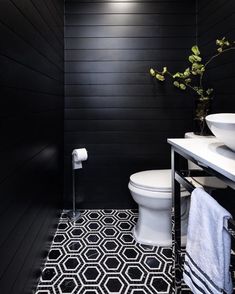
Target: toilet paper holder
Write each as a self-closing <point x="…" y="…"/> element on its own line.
<point x="78" y="155"/>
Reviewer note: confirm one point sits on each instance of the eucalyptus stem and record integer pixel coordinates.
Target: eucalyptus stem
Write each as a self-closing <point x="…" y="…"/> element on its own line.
<point x="218" y="54"/>
<point x="187" y="85"/>
<point x="192" y="76"/>
<point x="212" y="58"/>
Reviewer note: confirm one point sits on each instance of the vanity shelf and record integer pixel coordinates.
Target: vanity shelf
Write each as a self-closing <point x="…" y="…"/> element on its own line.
<point x="213" y="159"/>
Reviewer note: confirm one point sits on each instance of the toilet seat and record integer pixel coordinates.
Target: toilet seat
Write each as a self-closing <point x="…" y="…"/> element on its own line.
<point x="153" y="181"/>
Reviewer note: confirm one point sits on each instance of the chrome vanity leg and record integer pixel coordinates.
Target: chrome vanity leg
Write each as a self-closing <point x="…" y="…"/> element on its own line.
<point x="176" y="233"/>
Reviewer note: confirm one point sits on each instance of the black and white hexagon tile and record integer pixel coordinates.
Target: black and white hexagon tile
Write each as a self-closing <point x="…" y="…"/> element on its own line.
<point x="98" y="254"/>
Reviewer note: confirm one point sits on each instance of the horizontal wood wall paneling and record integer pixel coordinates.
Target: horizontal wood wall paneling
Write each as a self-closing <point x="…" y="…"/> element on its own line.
<point x="32" y="88"/>
<point x="120" y="89"/>
<point x="14" y="269"/>
<point x="145" y="114"/>
<point x="21" y="131"/>
<point x="14" y="224"/>
<point x="13" y="157"/>
<point x="206" y="9"/>
<point x="19" y="238"/>
<point x="118" y="1"/>
<point x="24" y="223"/>
<point x="33" y="264"/>
<point x="18" y="110"/>
<point x="157" y="55"/>
<point x="29" y="263"/>
<point x="125" y="43"/>
<point x="115" y="137"/>
<point x="210" y="48"/>
<point x="57" y="17"/>
<point x="38" y="164"/>
<point x="14" y="183"/>
<point x="223" y="103"/>
<point x="222" y="28"/>
<point x="124" y="149"/>
<point x="214" y="71"/>
<point x="28" y="25"/>
<point x="115" y="66"/>
<point x="48" y="19"/>
<point x="38" y="14"/>
<point x="60" y="8"/>
<point x="218" y="16"/>
<point x="14" y="47"/>
<point x="57" y="8"/>
<point x="223" y="60"/>
<point x="20" y="244"/>
<point x="154" y="125"/>
<point x="111" y="168"/>
<point x="107" y="78"/>
<point x="26" y="78"/>
<point x="154" y="101"/>
<point x="112" y="105"/>
<point x="130" y="19"/>
<point x="115" y="175"/>
<point x="112" y="171"/>
<point x="127" y="32"/>
<point x="124" y="8"/>
<point x="225" y="85"/>
<point x="215" y="21"/>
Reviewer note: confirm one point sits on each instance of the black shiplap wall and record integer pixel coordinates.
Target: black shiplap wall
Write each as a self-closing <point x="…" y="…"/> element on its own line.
<point x="31" y="117"/>
<point x="216" y="19"/>
<point x="112" y="106"/>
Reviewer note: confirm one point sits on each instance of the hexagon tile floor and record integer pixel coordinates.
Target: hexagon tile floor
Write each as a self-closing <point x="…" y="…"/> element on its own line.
<point x="98" y="254"/>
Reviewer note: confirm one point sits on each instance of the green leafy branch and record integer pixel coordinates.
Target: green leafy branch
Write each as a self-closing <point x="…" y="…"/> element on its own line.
<point x="192" y="76"/>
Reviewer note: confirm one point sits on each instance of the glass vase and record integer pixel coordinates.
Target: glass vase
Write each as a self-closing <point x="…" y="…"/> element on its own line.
<point x="202" y="109"/>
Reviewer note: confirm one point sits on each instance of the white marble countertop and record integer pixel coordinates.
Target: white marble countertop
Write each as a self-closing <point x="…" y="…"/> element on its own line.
<point x="210" y="152"/>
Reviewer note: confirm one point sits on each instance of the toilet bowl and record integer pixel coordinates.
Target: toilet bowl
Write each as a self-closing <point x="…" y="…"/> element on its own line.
<point x="151" y="190"/>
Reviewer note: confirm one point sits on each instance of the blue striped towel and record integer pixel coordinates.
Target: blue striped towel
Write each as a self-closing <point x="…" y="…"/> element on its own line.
<point x="208" y="250"/>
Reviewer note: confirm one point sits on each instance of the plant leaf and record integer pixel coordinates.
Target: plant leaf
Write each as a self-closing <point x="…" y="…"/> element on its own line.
<point x="176" y="75"/>
<point x="197" y="58"/>
<point x="164" y="70"/>
<point x="160" y="77"/>
<point x="182" y="86"/>
<point x="187" y="72"/>
<point x="191" y="59"/>
<point x="176" y="84"/>
<point x="152" y="72"/>
<point x="195" y="50"/>
<point x="209" y="91"/>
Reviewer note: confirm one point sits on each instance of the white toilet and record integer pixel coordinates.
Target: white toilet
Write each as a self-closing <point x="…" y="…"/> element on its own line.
<point x="151" y="190"/>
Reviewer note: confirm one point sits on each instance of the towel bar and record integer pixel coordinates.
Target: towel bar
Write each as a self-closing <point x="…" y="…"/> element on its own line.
<point x="231" y="227"/>
<point x="180" y="177"/>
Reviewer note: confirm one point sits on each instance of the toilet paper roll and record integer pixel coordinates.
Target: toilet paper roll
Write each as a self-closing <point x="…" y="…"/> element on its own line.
<point x="78" y="156"/>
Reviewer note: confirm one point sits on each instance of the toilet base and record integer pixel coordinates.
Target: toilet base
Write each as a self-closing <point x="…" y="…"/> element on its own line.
<point x="165" y="243"/>
<point x="155" y="227"/>
<point x="138" y="239"/>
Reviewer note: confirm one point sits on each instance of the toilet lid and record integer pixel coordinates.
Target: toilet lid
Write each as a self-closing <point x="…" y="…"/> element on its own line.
<point x="156" y="180"/>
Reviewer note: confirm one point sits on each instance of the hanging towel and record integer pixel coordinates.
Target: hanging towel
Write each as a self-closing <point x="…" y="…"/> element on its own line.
<point x="207" y="258"/>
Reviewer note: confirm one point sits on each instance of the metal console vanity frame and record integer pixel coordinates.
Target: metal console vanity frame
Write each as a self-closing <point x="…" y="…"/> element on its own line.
<point x="214" y="159"/>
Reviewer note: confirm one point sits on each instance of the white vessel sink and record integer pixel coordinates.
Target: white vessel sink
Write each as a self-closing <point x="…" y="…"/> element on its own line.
<point x="222" y="125"/>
